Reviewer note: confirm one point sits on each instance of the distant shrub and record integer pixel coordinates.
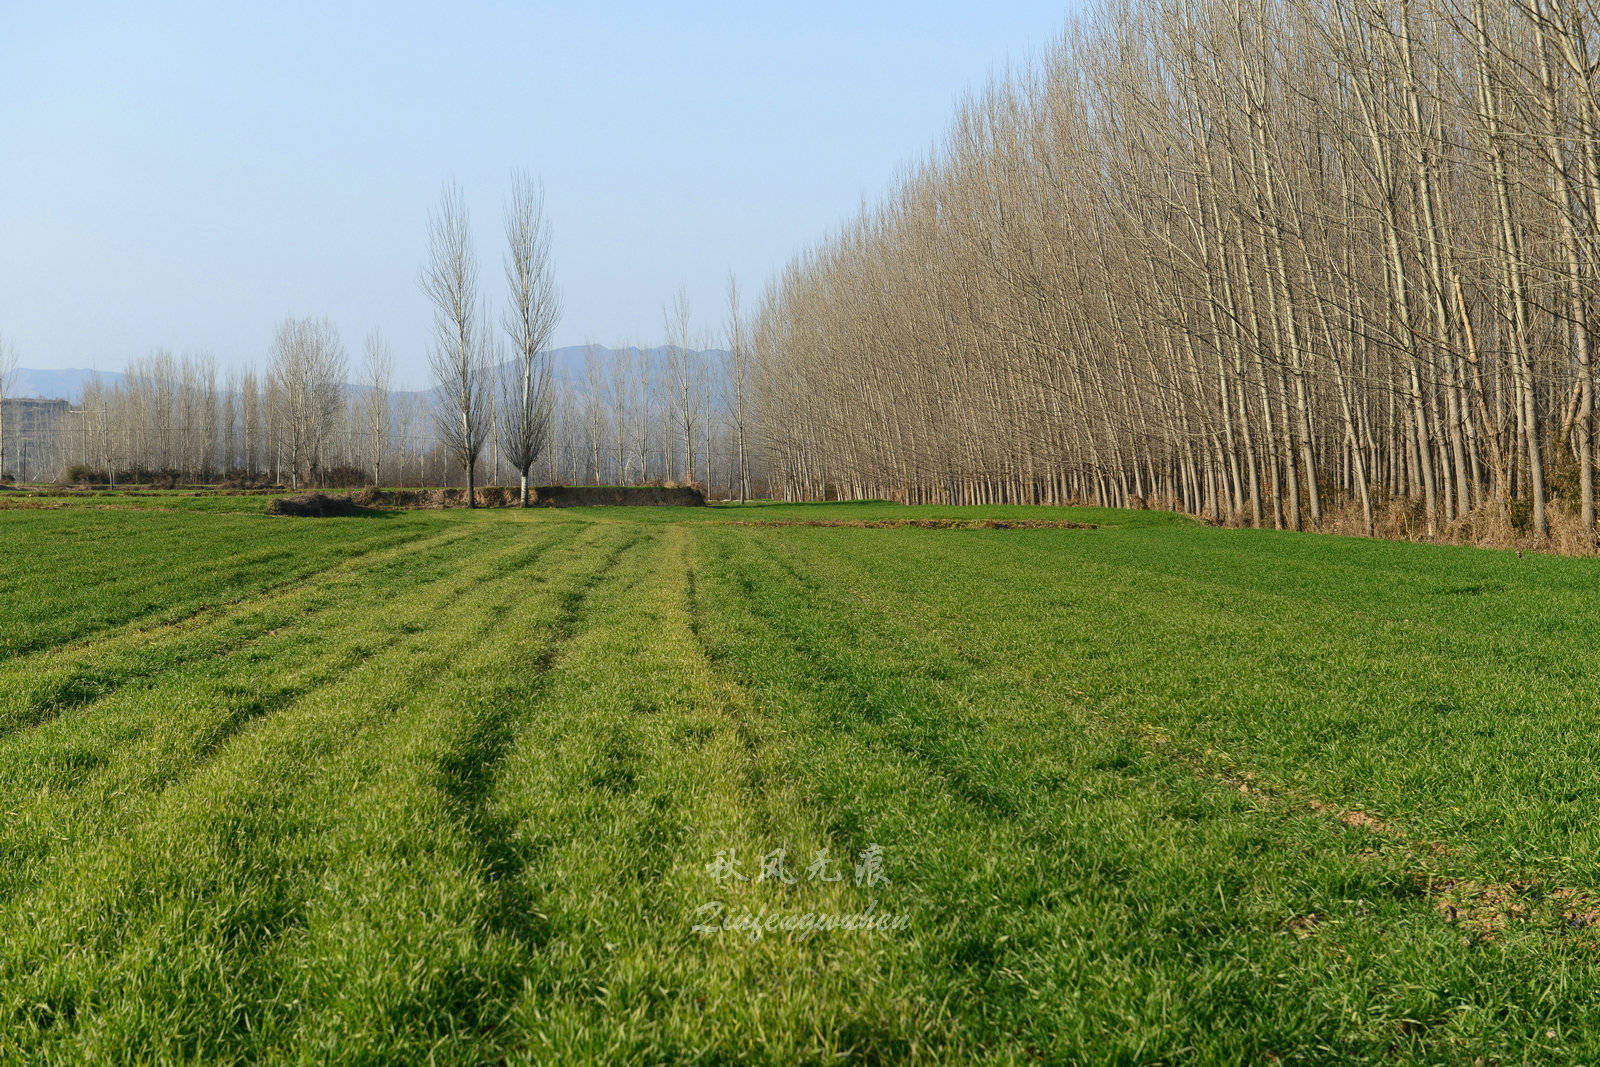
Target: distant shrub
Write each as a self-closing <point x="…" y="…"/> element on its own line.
<point x="83" y="474"/>
<point x="314" y="506"/>
<point x="1561" y="477"/>
<point x="496" y="496"/>
<point x="373" y="497"/>
<point x="243" y="479"/>
<point x="1521" y="514"/>
<point x="153" y="479"/>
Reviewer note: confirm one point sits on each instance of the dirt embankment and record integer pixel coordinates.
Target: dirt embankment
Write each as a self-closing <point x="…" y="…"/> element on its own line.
<point x="487" y="496"/>
<point x="574" y="496"/>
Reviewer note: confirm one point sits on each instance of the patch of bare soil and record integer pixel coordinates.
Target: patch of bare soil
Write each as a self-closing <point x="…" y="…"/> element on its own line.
<point x="1483" y="909"/>
<point x="1302" y="926"/>
<point x="1356" y="820"/>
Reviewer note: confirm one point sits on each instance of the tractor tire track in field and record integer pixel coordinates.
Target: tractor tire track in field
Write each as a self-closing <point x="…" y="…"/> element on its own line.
<point x="155" y="621"/>
<point x="278" y="908"/>
<point x="80" y="685"/>
<point x="290" y="914"/>
<point x="335" y="665"/>
<point x="469" y="773"/>
<point x="739" y="708"/>
<point x="1481" y="908"/>
<point x="259" y="702"/>
<point x="500" y="578"/>
<point x="930" y="746"/>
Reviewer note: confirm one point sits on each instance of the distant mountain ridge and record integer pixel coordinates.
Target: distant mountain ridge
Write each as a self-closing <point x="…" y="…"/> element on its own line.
<point x="68" y="383"/>
<point x="34" y="383"/>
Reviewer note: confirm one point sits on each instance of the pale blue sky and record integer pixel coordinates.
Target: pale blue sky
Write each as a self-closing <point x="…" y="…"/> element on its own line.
<point x="186" y="174"/>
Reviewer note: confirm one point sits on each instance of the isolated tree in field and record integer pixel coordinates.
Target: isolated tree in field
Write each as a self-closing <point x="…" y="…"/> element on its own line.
<point x="376" y="417"/>
<point x="459" y="353"/>
<point x="8" y="367"/>
<point x="529" y="320"/>
<point x="308" y="367"/>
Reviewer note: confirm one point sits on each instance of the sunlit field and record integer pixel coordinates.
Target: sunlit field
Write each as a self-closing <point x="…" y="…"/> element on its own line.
<point x="753" y="783"/>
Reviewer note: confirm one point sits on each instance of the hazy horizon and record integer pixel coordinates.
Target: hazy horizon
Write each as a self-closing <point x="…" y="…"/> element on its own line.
<point x="187" y="175"/>
<point x="68" y="383"/>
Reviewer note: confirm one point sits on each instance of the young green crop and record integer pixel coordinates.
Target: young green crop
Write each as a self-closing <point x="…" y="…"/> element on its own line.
<point x="461" y="786"/>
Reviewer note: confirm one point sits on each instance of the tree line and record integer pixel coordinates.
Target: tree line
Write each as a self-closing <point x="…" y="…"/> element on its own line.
<point x="1271" y="261"/>
<point x="613" y="418"/>
<point x="313" y="417"/>
<point x="620" y="416"/>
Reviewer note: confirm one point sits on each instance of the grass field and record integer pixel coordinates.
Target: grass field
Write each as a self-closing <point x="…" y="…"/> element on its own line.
<point x="463" y="785"/>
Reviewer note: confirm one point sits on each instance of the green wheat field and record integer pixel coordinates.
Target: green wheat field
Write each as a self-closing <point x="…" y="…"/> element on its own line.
<point x="754" y="784"/>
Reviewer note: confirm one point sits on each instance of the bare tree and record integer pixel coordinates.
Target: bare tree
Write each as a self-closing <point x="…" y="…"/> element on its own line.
<point x="595" y="413"/>
<point x="683" y="377"/>
<point x="377" y="418"/>
<point x="492" y="362"/>
<point x="1300" y="262"/>
<point x="308" y="368"/>
<point x="250" y="414"/>
<point x="529" y="320"/>
<point x="736" y="380"/>
<point x="228" y="425"/>
<point x="8" y="367"/>
<point x="459" y="354"/>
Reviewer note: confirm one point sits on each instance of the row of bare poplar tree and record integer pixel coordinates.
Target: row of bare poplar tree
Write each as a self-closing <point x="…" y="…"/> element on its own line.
<point x="478" y="387"/>
<point x="175" y="415"/>
<point x="619" y="417"/>
<point x="1258" y="259"/>
<point x="628" y="415"/>
<point x="633" y="414"/>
